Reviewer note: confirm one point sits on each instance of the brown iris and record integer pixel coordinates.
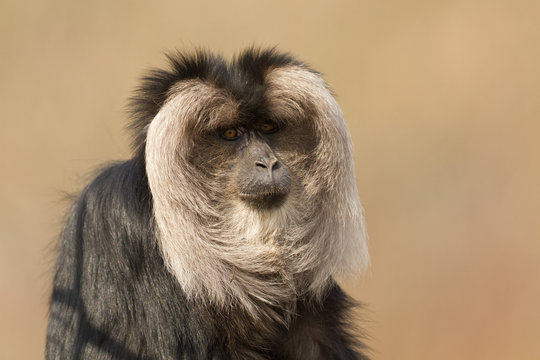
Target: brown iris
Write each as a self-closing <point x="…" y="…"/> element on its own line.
<point x="230" y="134"/>
<point x="268" y="127"/>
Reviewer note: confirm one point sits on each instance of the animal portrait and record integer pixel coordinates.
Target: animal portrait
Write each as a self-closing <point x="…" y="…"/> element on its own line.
<point x="225" y="233"/>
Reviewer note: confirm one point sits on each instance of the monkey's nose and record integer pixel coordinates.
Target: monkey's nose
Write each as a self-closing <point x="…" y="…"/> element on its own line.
<point x="271" y="163"/>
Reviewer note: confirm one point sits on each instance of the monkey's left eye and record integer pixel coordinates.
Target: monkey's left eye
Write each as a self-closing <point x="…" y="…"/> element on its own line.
<point x="268" y="128"/>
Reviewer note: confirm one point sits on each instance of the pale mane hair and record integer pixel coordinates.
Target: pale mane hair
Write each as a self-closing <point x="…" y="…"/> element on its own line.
<point x="224" y="252"/>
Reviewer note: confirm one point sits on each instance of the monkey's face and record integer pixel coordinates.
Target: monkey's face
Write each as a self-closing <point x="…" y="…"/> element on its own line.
<point x="254" y="162"/>
<point x="260" y="176"/>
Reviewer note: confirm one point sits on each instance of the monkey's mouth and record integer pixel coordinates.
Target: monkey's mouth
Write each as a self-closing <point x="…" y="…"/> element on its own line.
<point x="265" y="190"/>
<point x="264" y="200"/>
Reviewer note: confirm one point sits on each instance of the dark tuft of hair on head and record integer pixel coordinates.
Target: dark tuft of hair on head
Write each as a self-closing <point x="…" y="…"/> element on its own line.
<point x="154" y="89"/>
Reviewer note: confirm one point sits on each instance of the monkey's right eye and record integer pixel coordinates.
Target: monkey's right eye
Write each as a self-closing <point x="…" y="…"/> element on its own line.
<point x="231" y="134"/>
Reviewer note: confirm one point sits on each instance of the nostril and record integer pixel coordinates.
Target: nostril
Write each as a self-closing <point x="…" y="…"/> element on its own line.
<point x="260" y="164"/>
<point x="267" y="163"/>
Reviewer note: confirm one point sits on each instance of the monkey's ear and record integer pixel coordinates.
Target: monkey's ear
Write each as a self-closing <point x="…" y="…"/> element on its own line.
<point x="155" y="87"/>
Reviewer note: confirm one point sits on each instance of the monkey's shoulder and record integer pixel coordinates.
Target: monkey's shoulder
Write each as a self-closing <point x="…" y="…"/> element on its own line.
<point x="119" y="185"/>
<point x="112" y="294"/>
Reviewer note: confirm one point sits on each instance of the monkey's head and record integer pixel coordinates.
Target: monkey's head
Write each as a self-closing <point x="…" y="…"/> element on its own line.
<point x="250" y="168"/>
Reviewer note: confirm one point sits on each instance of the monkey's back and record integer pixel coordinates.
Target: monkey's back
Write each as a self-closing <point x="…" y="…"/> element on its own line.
<point x="112" y="296"/>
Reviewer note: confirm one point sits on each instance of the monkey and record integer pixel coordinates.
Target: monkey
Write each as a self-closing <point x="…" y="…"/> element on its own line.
<point x="224" y="234"/>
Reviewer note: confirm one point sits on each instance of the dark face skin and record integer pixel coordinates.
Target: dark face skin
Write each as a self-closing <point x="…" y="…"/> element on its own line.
<point x="251" y="161"/>
<point x="262" y="179"/>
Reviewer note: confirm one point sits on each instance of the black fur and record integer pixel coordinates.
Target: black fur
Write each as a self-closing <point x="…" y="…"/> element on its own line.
<point x="112" y="295"/>
<point x="242" y="78"/>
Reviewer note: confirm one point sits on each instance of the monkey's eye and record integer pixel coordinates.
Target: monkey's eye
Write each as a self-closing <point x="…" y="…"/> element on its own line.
<point x="231" y="134"/>
<point x="268" y="128"/>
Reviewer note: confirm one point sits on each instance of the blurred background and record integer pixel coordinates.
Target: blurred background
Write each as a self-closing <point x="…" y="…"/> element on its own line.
<point x="443" y="102"/>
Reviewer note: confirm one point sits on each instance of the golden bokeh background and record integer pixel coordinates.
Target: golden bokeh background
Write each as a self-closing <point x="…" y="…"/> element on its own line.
<point x="443" y="102"/>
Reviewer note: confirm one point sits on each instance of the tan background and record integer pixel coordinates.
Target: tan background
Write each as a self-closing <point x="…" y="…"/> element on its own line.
<point x="443" y="102"/>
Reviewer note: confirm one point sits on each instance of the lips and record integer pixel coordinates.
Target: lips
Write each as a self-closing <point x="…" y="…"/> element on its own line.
<point x="264" y="199"/>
